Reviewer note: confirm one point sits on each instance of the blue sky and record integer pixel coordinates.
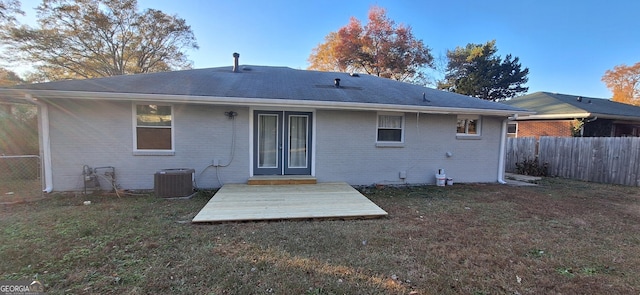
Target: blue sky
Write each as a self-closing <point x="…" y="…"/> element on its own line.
<point x="567" y="45"/>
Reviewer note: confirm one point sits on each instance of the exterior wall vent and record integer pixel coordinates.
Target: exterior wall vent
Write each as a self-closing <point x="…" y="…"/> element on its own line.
<point x="174" y="183"/>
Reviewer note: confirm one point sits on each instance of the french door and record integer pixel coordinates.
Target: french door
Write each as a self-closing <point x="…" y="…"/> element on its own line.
<point x="282" y="143"/>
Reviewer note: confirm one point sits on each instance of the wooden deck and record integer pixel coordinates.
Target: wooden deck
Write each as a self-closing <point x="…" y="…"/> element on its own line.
<point x="242" y="202"/>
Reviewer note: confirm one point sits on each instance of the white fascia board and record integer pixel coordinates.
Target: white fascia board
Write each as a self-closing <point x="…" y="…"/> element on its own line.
<point x="254" y="102"/>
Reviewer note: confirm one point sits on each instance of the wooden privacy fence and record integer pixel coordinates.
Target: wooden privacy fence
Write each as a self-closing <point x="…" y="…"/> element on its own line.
<point x="613" y="160"/>
<point x="519" y="149"/>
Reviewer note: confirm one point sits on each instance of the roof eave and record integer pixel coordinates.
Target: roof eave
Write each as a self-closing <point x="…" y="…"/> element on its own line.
<point x="30" y="95"/>
<point x="572" y="116"/>
<point x="554" y="116"/>
<point x="615" y="117"/>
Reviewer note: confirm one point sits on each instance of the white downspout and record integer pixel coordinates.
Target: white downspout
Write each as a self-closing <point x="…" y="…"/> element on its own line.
<point x="46" y="144"/>
<point x="501" y="153"/>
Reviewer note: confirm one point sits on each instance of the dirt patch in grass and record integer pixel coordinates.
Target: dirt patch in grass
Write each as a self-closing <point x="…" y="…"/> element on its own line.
<point x="559" y="237"/>
<point x="19" y="191"/>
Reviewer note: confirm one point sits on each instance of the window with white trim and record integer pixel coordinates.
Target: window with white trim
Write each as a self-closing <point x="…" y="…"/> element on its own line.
<point x="468" y="125"/>
<point x="153" y="127"/>
<point x="512" y="129"/>
<point x="390" y="128"/>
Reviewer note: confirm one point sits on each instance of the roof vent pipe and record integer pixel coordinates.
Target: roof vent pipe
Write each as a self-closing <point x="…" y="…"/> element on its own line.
<point x="236" y="56"/>
<point x="579" y="99"/>
<point x="336" y="82"/>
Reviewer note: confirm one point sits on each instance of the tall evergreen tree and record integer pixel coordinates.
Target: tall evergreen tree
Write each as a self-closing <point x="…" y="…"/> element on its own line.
<point x="477" y="71"/>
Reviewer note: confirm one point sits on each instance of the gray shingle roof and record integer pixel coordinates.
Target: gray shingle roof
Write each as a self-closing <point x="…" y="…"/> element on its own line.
<point x="275" y="83"/>
<point x="546" y="103"/>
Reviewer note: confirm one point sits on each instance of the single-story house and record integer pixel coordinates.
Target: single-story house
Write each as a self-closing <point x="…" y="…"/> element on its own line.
<point x="572" y="115"/>
<point x="232" y="123"/>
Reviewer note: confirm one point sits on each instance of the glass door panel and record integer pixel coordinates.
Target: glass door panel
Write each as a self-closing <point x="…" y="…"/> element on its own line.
<point x="298" y="145"/>
<point x="268" y="141"/>
<point x="297" y="142"/>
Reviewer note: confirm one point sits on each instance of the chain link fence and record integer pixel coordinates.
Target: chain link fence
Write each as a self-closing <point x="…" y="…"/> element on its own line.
<point x="20" y="178"/>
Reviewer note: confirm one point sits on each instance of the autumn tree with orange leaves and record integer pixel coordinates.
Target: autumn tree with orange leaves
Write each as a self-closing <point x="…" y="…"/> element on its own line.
<point x="624" y="82"/>
<point x="379" y="48"/>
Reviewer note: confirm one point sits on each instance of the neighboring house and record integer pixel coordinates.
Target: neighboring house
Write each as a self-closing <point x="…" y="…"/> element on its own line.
<point x="572" y="115"/>
<point x="232" y="123"/>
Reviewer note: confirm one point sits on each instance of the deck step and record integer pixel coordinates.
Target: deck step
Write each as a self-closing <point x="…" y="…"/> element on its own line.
<point x="281" y="180"/>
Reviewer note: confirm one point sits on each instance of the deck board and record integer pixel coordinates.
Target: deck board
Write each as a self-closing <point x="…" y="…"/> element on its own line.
<point x="241" y="202"/>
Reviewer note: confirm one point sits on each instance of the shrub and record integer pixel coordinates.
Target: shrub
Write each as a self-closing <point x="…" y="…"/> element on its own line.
<point x="532" y="167"/>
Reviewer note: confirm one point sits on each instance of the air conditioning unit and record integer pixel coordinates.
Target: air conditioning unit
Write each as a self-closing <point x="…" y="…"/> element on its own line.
<point x="173" y="183"/>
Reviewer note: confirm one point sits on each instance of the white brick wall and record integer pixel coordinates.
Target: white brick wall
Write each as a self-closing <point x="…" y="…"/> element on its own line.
<point x="101" y="134"/>
<point x="346" y="150"/>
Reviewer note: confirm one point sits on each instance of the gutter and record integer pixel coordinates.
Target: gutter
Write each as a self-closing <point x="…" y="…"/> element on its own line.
<point x="501" y="153"/>
<point x="554" y="116"/>
<point x="578" y="116"/>
<point x="46" y="148"/>
<point x="256" y="102"/>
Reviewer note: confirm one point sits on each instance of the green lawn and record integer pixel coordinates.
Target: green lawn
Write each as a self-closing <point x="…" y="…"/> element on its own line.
<point x="560" y="237"/>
